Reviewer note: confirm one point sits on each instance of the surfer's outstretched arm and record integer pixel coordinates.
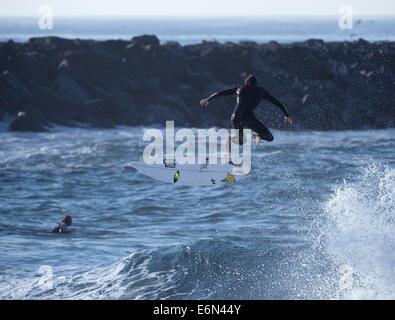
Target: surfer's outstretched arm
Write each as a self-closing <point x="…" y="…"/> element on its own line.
<point x="267" y="96"/>
<point x="226" y="92"/>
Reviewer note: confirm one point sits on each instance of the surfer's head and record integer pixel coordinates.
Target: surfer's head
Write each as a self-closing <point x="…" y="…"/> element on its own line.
<point x="251" y="80"/>
<point x="67" y="220"/>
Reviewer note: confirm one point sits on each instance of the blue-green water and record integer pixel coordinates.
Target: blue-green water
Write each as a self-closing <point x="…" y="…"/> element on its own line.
<point x="314" y="219"/>
<point x="283" y="29"/>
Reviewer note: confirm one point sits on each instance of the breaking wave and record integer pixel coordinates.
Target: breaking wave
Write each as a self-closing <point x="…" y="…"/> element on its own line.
<point x="360" y="231"/>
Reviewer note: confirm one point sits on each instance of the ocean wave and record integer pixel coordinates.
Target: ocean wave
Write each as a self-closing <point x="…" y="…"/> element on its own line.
<point x="208" y="269"/>
<point x="292" y="230"/>
<point x="360" y="233"/>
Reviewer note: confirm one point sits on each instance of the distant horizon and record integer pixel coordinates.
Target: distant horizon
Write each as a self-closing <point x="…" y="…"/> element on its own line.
<point x="198" y="15"/>
<point x="190" y="29"/>
<point x="184" y="8"/>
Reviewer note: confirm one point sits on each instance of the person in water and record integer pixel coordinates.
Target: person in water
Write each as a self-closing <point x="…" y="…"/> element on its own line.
<point x="63" y="226"/>
<point x="248" y="98"/>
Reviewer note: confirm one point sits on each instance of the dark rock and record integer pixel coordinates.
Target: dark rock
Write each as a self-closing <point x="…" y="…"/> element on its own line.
<point x="27" y="122"/>
<point x="8" y="49"/>
<point x="103" y="123"/>
<point x="172" y="44"/>
<point x="325" y="85"/>
<point x="315" y="43"/>
<point x="248" y="44"/>
<point x="146" y="41"/>
<point x="273" y="46"/>
<point x="8" y="79"/>
<point x="63" y="64"/>
<point x="56" y="43"/>
<point x="77" y="57"/>
<point x="72" y="88"/>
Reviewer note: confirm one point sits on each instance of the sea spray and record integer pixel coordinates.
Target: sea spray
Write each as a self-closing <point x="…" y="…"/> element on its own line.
<point x="360" y="234"/>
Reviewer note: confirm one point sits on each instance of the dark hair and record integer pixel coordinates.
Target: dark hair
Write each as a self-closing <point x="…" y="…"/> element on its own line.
<point x="251" y="80"/>
<point x="67" y="220"/>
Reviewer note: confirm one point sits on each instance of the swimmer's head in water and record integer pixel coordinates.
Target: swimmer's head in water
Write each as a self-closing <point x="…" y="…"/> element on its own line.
<point x="67" y="220"/>
<point x="251" y="80"/>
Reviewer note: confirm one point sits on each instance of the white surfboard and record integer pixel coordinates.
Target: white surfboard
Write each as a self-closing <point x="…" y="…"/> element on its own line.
<point x="192" y="174"/>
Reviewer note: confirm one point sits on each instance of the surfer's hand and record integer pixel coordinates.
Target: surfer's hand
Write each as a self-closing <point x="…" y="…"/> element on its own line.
<point x="204" y="103"/>
<point x="288" y="119"/>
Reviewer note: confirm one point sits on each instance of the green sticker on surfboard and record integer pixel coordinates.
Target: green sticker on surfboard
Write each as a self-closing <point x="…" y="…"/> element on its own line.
<point x="176" y="176"/>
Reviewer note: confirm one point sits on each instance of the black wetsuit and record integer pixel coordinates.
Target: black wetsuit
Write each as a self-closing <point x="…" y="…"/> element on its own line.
<point x="248" y="98"/>
<point x="61" y="228"/>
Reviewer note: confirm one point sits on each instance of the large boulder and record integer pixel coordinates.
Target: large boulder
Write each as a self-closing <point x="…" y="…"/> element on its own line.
<point x="77" y="57"/>
<point x="27" y="122"/>
<point x="145" y="40"/>
<point x="8" y="49"/>
<point x="60" y="44"/>
<point x="143" y="43"/>
<point x="10" y="80"/>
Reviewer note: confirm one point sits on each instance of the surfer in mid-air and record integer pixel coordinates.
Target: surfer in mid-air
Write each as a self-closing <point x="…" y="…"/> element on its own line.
<point x="248" y="98"/>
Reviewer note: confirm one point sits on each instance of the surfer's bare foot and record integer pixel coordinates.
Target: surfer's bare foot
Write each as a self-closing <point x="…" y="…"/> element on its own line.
<point x="257" y="139"/>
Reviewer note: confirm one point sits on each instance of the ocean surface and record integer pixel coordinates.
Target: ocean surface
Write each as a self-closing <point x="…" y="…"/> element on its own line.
<point x="283" y="29"/>
<point x="314" y="220"/>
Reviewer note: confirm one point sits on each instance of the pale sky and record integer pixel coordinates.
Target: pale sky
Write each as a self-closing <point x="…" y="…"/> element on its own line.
<point x="195" y="7"/>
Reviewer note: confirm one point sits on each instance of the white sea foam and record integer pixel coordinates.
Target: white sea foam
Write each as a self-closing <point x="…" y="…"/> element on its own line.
<point x="361" y="234"/>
